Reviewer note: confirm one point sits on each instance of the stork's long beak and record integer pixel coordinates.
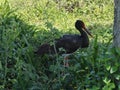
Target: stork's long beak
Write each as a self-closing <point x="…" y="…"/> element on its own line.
<point x="88" y="31"/>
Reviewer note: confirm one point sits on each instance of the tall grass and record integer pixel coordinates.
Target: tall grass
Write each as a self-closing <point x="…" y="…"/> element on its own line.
<point x="24" y="25"/>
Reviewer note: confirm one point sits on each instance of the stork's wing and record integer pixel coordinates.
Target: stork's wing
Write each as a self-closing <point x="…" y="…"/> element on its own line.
<point x="69" y="42"/>
<point x="75" y="36"/>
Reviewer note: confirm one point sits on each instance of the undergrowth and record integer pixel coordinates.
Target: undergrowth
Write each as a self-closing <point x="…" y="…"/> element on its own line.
<point x="24" y="25"/>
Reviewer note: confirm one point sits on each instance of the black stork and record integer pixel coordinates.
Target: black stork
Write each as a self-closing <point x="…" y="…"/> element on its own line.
<point x="70" y="43"/>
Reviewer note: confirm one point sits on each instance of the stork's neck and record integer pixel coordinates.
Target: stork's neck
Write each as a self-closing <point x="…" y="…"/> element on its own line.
<point x="83" y="33"/>
<point x="85" y="39"/>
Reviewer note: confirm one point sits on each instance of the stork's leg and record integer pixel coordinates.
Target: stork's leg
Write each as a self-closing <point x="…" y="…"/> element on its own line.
<point x="66" y="64"/>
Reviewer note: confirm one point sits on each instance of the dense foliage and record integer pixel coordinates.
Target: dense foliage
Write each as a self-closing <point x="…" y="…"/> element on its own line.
<point x="26" y="24"/>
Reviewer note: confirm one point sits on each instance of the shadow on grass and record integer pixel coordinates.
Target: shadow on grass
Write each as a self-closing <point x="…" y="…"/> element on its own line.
<point x="16" y="53"/>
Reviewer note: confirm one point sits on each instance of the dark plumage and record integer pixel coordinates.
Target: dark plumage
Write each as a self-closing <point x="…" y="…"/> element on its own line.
<point x="70" y="43"/>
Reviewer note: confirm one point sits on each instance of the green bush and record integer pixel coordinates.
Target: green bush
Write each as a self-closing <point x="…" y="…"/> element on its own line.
<point x="24" y="25"/>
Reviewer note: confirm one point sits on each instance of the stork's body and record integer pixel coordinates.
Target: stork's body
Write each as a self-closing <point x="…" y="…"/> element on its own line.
<point x="70" y="43"/>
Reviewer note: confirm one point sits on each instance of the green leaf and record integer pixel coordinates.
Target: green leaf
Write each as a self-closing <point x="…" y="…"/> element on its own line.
<point x="117" y="77"/>
<point x="106" y="80"/>
<point x="113" y="69"/>
<point x="109" y="86"/>
<point x="108" y="67"/>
